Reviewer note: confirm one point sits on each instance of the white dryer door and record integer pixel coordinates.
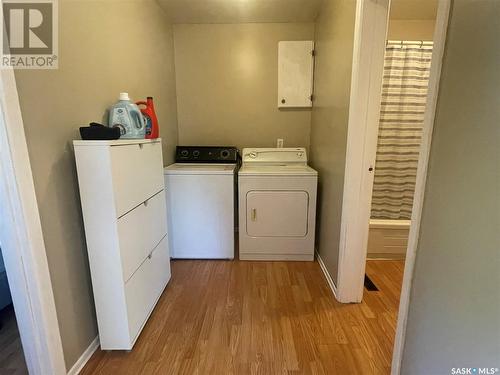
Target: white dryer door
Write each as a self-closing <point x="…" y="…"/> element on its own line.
<point x="277" y="213"/>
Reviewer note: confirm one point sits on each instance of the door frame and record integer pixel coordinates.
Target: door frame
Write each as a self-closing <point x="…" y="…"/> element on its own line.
<point x="369" y="48"/>
<point x="370" y="31"/>
<point x="22" y="242"/>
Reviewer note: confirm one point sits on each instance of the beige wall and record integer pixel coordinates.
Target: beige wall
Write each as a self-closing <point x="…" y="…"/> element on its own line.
<point x="334" y="48"/>
<point x="227" y="76"/>
<point x="411" y="29"/>
<point x="454" y="313"/>
<point x="105" y="48"/>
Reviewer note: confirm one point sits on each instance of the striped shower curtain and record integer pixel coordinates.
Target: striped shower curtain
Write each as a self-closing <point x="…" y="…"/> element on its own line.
<point x="404" y="94"/>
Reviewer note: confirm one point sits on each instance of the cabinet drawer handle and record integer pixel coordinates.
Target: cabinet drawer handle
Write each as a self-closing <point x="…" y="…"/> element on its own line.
<point x="150" y="256"/>
<point x="254" y="214"/>
<point x="146" y="202"/>
<point x="141" y="146"/>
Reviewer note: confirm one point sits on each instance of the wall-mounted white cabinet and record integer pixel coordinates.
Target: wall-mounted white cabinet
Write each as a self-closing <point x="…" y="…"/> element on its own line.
<point x="295" y="73"/>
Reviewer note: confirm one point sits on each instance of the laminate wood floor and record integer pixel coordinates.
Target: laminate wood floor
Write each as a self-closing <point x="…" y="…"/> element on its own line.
<point x="11" y="352"/>
<point x="235" y="317"/>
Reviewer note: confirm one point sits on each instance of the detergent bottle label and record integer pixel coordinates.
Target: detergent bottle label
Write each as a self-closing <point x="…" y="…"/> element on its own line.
<point x="120" y="118"/>
<point x="149" y="124"/>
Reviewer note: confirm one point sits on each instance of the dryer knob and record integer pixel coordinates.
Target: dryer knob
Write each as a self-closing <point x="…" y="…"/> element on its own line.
<point x="253" y="155"/>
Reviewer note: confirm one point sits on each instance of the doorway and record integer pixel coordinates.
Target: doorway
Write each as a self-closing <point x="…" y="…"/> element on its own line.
<point x="405" y="82"/>
<point x="371" y="37"/>
<point x="404" y="95"/>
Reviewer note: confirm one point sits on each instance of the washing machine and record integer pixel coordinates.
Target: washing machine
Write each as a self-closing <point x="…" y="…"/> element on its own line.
<point x="200" y="194"/>
<point x="277" y="205"/>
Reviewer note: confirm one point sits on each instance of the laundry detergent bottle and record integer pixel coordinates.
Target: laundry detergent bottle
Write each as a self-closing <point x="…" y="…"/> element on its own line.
<point x="127" y="116"/>
<point x="152" y="127"/>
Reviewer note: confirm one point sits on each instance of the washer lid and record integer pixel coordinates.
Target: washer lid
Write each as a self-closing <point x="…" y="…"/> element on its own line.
<point x="277" y="170"/>
<point x="199" y="169"/>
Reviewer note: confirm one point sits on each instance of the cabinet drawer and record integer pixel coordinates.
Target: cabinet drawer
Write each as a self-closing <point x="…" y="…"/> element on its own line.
<point x="145" y="286"/>
<point x="137" y="174"/>
<point x="140" y="230"/>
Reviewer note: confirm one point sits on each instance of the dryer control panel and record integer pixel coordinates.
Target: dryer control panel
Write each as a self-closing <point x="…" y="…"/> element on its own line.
<point x="206" y="154"/>
<point x="271" y="156"/>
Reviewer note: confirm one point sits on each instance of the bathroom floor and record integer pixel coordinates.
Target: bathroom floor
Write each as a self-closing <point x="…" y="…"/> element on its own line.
<point x="223" y="317"/>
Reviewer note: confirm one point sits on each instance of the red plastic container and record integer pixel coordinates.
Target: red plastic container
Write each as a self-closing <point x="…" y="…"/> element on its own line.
<point x="152" y="128"/>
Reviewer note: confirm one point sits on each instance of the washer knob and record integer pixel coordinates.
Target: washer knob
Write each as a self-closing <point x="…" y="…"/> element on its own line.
<point x="196" y="153"/>
<point x="184" y="152"/>
<point x="224" y="154"/>
<point x="253" y="155"/>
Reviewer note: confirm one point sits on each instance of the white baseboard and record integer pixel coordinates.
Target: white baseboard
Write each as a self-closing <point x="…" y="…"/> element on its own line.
<point x="78" y="366"/>
<point x="329" y="279"/>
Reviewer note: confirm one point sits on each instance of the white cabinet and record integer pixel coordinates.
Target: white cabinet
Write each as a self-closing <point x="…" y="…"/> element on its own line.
<point x="295" y="73"/>
<point x="124" y="212"/>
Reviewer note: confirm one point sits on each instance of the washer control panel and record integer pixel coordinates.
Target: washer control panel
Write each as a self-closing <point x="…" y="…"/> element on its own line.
<point x="206" y="154"/>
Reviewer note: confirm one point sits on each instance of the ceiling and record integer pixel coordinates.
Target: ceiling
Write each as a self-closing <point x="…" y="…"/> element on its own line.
<point x="241" y="11"/>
